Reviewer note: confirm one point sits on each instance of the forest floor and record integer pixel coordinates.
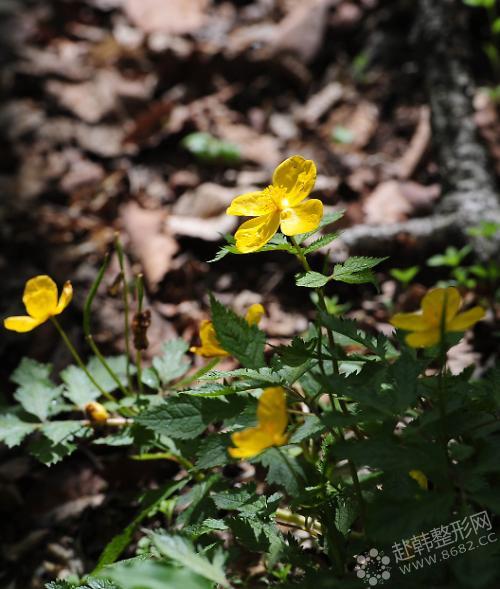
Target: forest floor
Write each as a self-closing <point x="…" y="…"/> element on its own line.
<point x="98" y="96"/>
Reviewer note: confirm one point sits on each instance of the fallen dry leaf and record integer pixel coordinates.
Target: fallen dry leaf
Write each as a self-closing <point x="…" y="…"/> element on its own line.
<point x="256" y="147"/>
<point x="360" y="122"/>
<point x="386" y="204"/>
<point x="176" y="17"/>
<point x="320" y="103"/>
<point x="92" y="100"/>
<point x="149" y="242"/>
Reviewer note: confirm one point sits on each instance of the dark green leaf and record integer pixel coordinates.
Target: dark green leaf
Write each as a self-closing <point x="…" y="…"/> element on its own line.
<point x="244" y="342"/>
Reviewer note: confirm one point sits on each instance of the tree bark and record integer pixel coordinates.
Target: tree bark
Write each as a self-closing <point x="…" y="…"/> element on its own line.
<point x="470" y="194"/>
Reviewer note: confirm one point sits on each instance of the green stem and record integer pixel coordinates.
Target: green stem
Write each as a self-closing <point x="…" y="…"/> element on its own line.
<point x="79" y="361"/>
<point x="288" y="517"/>
<point x="86" y="325"/>
<point x="138" y="355"/>
<point x="331" y="342"/>
<point x="125" y="294"/>
<point x="107" y="367"/>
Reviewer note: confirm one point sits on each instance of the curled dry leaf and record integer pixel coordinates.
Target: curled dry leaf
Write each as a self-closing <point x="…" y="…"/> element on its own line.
<point x="407" y="164"/>
<point x="149" y="242"/>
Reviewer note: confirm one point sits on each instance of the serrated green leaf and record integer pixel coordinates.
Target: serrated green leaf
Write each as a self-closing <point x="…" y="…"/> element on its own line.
<point x="311" y="279"/>
<point x="48" y="452"/>
<point x="185" y="417"/>
<point x="13" y="430"/>
<point x="118" y="365"/>
<point x="378" y="344"/>
<point x="213" y="451"/>
<point x="32" y="372"/>
<point x="321" y="242"/>
<point x="172" y="364"/>
<point x="59" y="585"/>
<point x="298" y="352"/>
<point x="356" y="270"/>
<point x="311" y="427"/>
<point x="179" y="417"/>
<point x="62" y="431"/>
<point x="78" y="387"/>
<point x="182" y="551"/>
<point x="244" y="342"/>
<point x="36" y="398"/>
<point x="284" y="470"/>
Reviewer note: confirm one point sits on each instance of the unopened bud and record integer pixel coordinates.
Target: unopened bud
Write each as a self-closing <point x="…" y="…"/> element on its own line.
<point x="97" y="413"/>
<point x="140" y="325"/>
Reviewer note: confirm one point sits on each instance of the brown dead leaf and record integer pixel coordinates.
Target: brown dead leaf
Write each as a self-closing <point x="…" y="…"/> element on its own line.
<point x="256" y="147"/>
<point x="149" y="242"/>
<point x="208" y="229"/>
<point x="320" y="103"/>
<point x="301" y="32"/>
<point x="92" y="100"/>
<point x="360" y="121"/>
<point x="393" y="201"/>
<point x="386" y="204"/>
<point x="176" y="17"/>
<point x="207" y="200"/>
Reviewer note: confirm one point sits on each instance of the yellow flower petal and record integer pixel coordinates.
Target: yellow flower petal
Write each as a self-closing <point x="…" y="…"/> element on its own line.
<point x="296" y="176"/>
<point x="210" y="346"/>
<point x="21" y="324"/>
<point x="423" y="339"/>
<point x="65" y="298"/>
<point x="272" y="419"/>
<point x="255" y="233"/>
<point x="252" y="204"/>
<point x="433" y="304"/>
<point x="410" y="321"/>
<point x="272" y="414"/>
<point x="421" y="479"/>
<point x="250" y="442"/>
<point x="302" y="218"/>
<point x="40" y="297"/>
<point x="254" y="314"/>
<point x="467" y="319"/>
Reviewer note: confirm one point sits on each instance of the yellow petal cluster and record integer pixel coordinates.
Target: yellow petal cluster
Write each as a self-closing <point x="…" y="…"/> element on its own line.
<point x="439" y="313"/>
<point x="41" y="302"/>
<point x="272" y="419"/>
<point x="210" y="346"/>
<point x="280" y="205"/>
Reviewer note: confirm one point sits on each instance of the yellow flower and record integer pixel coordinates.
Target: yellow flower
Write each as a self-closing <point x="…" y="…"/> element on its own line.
<point x="426" y="325"/>
<point x="210" y="346"/>
<point x="278" y="205"/>
<point x="96" y="413"/>
<point x="421" y="479"/>
<point x="40" y="300"/>
<point x="272" y="420"/>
